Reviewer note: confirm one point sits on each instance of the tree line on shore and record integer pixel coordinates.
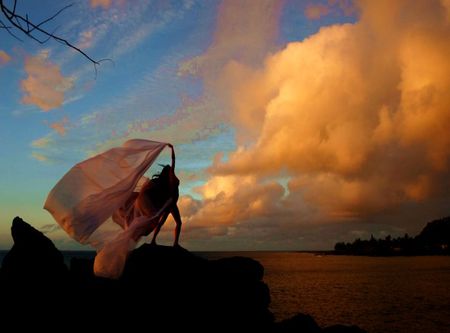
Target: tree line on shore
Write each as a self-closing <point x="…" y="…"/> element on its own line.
<point x="434" y="239"/>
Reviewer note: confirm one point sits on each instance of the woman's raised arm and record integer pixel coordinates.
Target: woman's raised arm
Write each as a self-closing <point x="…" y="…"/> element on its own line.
<point x="173" y="156"/>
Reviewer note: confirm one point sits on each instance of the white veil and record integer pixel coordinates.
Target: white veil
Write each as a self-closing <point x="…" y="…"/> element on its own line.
<point x="85" y="199"/>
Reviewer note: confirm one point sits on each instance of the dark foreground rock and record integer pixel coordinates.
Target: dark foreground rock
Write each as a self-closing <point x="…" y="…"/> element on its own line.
<point x="32" y="255"/>
<point x="163" y="289"/>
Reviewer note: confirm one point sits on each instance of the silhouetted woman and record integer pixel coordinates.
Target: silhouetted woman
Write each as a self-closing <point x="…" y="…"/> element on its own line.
<point x="100" y="193"/>
<point x="158" y="198"/>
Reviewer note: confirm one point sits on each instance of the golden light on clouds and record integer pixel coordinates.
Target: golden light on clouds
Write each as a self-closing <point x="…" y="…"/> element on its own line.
<point x="4" y="58"/>
<point x="101" y="3"/>
<point x="60" y="126"/>
<point x="357" y="116"/>
<point x="245" y="31"/>
<point x="230" y="199"/>
<point x="105" y="4"/>
<point x="45" y="85"/>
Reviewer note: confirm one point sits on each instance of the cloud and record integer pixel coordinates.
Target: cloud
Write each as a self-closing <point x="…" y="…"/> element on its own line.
<point x="86" y="39"/>
<point x="101" y="3"/>
<point x="50" y="228"/>
<point x="352" y="118"/>
<point x="4" y="58"/>
<point x="246" y="32"/>
<point x="314" y="12"/>
<point x="228" y="199"/>
<point x="335" y="7"/>
<point x="41" y="142"/>
<point x="356" y="114"/>
<point x="45" y="85"/>
<point x="122" y="29"/>
<point x="39" y="157"/>
<point x="60" y="126"/>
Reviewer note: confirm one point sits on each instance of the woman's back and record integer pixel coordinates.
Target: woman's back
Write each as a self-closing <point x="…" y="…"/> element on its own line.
<point x="157" y="191"/>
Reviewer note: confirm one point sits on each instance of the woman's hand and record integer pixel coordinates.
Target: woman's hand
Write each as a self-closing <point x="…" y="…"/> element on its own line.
<point x="173" y="156"/>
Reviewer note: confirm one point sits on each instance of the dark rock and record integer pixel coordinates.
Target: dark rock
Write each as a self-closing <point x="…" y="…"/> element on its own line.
<point x="240" y="268"/>
<point x="300" y="323"/>
<point x="33" y="261"/>
<point x="162" y="288"/>
<point x="174" y="277"/>
<point x="343" y="329"/>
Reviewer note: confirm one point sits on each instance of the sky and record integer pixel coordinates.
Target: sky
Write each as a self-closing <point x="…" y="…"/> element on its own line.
<point x="296" y="124"/>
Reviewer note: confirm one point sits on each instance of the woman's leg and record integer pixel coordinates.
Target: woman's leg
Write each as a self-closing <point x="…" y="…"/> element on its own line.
<point x="158" y="227"/>
<point x="176" y="215"/>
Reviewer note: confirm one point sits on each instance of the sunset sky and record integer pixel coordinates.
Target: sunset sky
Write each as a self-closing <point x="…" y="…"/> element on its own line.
<point x="296" y="124"/>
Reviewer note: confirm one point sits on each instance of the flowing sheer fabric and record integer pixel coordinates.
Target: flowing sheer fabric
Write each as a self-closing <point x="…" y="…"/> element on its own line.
<point x="97" y="195"/>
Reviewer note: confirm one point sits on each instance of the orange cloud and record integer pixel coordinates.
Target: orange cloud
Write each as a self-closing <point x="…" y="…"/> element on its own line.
<point x="101" y="3"/>
<point x="4" y="57"/>
<point x="245" y="32"/>
<point x="357" y="114"/>
<point x="105" y="3"/>
<point x="59" y="126"/>
<point x="41" y="142"/>
<point x="39" y="157"/>
<point x="228" y="199"/>
<point x="314" y="12"/>
<point x="44" y="86"/>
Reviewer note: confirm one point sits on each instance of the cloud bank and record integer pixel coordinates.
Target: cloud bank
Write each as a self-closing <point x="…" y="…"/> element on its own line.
<point x="356" y="117"/>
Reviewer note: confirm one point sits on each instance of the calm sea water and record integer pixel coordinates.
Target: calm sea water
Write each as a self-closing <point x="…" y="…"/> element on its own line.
<point x="398" y="294"/>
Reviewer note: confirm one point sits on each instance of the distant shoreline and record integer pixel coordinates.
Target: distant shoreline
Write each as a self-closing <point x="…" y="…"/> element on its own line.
<point x="312" y="252"/>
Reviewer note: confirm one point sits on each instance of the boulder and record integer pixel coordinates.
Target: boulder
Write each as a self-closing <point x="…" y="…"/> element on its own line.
<point x="33" y="261"/>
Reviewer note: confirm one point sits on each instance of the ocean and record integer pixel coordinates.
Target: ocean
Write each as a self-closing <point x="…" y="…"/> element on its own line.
<point x="379" y="294"/>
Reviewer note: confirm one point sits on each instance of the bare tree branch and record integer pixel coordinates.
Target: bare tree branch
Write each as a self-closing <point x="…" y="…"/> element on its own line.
<point x="8" y="29"/>
<point x="52" y="17"/>
<point x="19" y="22"/>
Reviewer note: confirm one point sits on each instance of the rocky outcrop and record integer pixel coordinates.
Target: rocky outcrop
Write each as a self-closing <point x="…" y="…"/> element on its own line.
<point x="33" y="259"/>
<point x="162" y="287"/>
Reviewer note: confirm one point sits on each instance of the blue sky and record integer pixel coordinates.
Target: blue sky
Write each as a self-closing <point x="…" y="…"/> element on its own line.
<point x="169" y="80"/>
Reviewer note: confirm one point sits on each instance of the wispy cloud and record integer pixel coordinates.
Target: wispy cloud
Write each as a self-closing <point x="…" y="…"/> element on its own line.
<point x="41" y="142"/>
<point x="38" y="156"/>
<point x="121" y="29"/>
<point x="4" y="58"/>
<point x="60" y="126"/>
<point x="101" y="3"/>
<point x="86" y="39"/>
<point x="130" y="41"/>
<point x="49" y="228"/>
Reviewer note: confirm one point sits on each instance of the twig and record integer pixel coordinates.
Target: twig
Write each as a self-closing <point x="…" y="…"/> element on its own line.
<point x="19" y="22"/>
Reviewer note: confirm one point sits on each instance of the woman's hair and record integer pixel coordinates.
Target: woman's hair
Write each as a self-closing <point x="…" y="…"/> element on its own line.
<point x="158" y="187"/>
<point x="164" y="174"/>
